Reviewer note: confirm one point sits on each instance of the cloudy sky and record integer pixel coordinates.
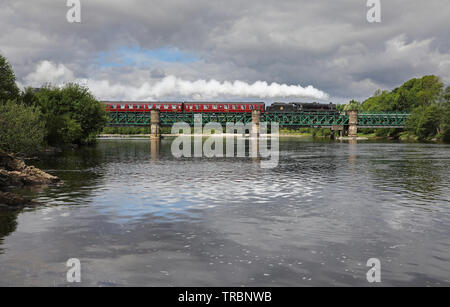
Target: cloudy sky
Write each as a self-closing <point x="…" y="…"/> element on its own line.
<point x="206" y="49"/>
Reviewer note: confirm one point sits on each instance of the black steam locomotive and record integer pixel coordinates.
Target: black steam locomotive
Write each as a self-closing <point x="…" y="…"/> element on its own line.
<point x="293" y="107"/>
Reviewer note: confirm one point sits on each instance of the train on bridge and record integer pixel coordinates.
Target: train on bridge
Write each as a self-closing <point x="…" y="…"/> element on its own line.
<point x="218" y="107"/>
<point x="287" y="114"/>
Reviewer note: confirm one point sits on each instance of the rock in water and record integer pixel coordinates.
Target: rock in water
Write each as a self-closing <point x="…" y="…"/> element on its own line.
<point x="14" y="171"/>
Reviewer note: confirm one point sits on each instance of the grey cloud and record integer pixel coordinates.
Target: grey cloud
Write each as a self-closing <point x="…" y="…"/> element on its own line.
<point x="328" y="44"/>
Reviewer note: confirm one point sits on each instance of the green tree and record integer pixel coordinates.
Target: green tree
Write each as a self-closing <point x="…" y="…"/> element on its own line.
<point x="8" y="87"/>
<point x="413" y="93"/>
<point x="72" y="114"/>
<point x="28" y="97"/>
<point x="424" y="121"/>
<point x="424" y="98"/>
<point x="353" y="105"/>
<point x="22" y="130"/>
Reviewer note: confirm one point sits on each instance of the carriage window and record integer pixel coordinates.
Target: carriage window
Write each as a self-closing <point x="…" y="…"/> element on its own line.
<point x="205" y="107"/>
<point x="242" y="107"/>
<point x="190" y="107"/>
<point x="234" y="107"/>
<point x="251" y="107"/>
<point x="215" y="107"/>
<point x="166" y="106"/>
<point x="158" y="106"/>
<point x="122" y="106"/>
<point x="225" y="107"/>
<point x="197" y="107"/>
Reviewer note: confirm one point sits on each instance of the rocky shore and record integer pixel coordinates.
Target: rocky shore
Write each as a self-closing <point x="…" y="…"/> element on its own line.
<point x="14" y="172"/>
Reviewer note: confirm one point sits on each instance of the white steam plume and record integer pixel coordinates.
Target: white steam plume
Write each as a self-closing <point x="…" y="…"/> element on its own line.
<point x="172" y="86"/>
<point x="201" y="89"/>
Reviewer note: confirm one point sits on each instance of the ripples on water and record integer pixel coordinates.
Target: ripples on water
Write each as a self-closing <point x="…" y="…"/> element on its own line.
<point x="314" y="220"/>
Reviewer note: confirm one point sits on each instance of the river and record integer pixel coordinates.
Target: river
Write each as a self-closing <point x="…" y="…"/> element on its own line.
<point x="134" y="217"/>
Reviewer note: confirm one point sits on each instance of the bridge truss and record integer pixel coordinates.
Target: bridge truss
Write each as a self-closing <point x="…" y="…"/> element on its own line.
<point x="301" y="119"/>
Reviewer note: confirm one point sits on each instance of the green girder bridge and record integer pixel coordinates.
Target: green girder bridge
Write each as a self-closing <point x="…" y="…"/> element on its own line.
<point x="302" y="119"/>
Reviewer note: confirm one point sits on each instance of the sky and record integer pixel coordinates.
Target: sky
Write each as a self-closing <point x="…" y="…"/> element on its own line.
<point x="299" y="50"/>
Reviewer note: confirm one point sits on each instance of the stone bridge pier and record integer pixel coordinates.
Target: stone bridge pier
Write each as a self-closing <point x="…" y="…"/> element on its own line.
<point x="256" y="119"/>
<point x="352" y="123"/>
<point x="155" y="124"/>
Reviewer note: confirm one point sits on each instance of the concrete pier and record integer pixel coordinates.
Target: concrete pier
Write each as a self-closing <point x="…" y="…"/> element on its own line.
<point x="352" y="124"/>
<point x="155" y="125"/>
<point x="256" y="119"/>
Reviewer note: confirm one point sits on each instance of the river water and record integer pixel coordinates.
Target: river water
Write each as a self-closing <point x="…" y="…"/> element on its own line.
<point x="134" y="217"/>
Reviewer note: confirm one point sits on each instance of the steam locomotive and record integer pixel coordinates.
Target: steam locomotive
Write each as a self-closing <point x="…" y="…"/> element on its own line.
<point x="294" y="107"/>
<point x="231" y="107"/>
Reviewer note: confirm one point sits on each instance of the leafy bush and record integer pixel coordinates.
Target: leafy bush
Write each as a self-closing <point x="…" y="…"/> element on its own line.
<point x="72" y="115"/>
<point x="22" y="130"/>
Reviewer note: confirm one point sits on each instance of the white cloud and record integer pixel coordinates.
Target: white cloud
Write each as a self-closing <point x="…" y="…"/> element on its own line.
<point x="46" y="71"/>
<point x="171" y="86"/>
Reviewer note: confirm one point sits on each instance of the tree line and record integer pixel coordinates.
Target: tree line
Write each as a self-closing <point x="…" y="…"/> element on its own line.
<point x="427" y="99"/>
<point x="32" y="119"/>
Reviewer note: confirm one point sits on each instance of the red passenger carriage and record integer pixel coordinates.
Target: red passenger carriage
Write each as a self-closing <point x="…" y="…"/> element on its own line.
<point x="222" y="107"/>
<point x="186" y="107"/>
<point x="144" y="106"/>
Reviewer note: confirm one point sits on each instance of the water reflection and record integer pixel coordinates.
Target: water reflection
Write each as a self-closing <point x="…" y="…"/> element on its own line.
<point x="155" y="148"/>
<point x="315" y="219"/>
<point x="8" y="224"/>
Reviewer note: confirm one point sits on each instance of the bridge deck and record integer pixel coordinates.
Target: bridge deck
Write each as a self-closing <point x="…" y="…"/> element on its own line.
<point x="302" y="119"/>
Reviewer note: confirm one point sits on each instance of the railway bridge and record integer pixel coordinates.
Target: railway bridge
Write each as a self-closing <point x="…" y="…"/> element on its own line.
<point x="347" y="122"/>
